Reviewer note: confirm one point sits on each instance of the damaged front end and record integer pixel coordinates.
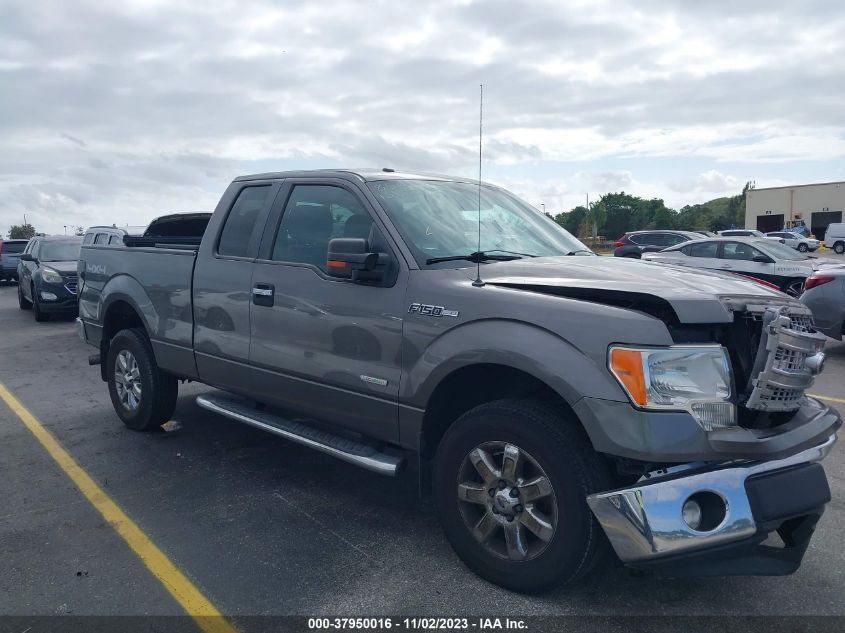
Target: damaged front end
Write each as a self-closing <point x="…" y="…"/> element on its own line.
<point x="748" y="515"/>
<point x="718" y="519"/>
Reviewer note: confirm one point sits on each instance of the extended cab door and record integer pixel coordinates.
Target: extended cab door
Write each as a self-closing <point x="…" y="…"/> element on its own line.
<point x="324" y="347"/>
<point x="222" y="282"/>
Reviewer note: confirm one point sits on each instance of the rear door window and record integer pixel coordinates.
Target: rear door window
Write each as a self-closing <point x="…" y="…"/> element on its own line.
<point x="14" y="247"/>
<point x="649" y="239"/>
<point x="240" y="223"/>
<point x="672" y="239"/>
<point x="704" y="249"/>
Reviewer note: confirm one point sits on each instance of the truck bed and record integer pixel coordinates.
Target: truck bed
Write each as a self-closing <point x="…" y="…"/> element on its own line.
<point x="155" y="281"/>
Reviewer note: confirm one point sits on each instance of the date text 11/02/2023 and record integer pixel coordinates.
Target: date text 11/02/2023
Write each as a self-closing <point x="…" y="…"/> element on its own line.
<point x="418" y="624"/>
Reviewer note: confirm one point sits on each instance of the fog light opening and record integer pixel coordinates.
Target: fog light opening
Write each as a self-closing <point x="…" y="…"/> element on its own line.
<point x="704" y="511"/>
<point x="48" y="296"/>
<point x="692" y="514"/>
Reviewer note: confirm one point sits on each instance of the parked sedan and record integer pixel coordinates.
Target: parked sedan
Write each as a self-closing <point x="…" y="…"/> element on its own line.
<point x="763" y="259"/>
<point x="47" y="277"/>
<point x="796" y="240"/>
<point x="635" y="243"/>
<point x="824" y="294"/>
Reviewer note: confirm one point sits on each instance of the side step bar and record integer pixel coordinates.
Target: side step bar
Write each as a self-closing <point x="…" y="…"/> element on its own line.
<point x="348" y="450"/>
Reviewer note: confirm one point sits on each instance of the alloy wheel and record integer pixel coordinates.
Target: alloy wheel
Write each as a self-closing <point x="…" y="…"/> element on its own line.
<point x="794" y="288"/>
<point x="507" y="501"/>
<point x="127" y="380"/>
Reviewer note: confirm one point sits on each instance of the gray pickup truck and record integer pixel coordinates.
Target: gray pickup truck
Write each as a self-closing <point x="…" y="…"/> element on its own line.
<point x="558" y="406"/>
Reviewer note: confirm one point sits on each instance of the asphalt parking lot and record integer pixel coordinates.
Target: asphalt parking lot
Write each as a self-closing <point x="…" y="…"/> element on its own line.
<point x="265" y="527"/>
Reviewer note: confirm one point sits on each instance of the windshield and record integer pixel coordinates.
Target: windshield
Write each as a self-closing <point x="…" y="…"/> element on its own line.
<point x="440" y="219"/>
<point x="780" y="251"/>
<point x="59" y="251"/>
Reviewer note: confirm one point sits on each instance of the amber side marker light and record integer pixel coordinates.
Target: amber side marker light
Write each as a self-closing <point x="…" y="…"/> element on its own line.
<point x="333" y="263"/>
<point x="628" y="366"/>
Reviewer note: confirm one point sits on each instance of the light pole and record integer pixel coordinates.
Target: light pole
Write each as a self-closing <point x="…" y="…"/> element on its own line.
<point x="543" y="204"/>
<point x="65" y="229"/>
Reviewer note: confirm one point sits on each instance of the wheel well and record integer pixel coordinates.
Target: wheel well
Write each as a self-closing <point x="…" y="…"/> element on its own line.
<point x="471" y="386"/>
<point x="120" y="315"/>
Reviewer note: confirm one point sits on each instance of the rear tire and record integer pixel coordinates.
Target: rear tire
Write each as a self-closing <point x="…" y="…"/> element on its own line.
<point x="143" y="396"/>
<point x="839" y="248"/>
<point x="548" y="444"/>
<point x="793" y="287"/>
<point x="23" y="302"/>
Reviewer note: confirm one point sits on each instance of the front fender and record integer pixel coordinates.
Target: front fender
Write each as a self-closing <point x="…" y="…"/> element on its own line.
<point x="538" y="352"/>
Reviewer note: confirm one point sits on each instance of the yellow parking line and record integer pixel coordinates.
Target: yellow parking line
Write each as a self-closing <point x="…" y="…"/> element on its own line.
<point x="205" y="614"/>
<point x="831" y="398"/>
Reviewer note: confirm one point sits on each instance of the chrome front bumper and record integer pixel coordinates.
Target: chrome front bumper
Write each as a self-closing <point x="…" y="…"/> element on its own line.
<point x="645" y="522"/>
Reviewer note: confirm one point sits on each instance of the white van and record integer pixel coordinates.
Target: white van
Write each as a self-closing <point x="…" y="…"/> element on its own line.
<point x="834" y="237"/>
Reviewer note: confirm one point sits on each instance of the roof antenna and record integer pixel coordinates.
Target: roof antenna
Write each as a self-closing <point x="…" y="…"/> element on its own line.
<point x="478" y="283"/>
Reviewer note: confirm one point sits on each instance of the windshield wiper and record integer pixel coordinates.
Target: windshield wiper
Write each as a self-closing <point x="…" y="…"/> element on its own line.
<point x="481" y="256"/>
<point x="581" y="250"/>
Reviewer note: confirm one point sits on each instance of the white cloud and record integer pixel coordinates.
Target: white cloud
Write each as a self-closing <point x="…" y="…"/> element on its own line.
<point x="117" y="112"/>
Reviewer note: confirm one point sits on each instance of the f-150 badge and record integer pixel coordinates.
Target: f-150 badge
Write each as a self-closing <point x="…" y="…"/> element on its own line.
<point x="430" y="310"/>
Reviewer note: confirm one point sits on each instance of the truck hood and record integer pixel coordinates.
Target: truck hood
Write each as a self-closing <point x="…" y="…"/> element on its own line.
<point x="694" y="296"/>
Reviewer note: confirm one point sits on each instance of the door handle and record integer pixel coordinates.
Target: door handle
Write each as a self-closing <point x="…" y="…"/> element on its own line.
<point x="727" y="266"/>
<point x="262" y="294"/>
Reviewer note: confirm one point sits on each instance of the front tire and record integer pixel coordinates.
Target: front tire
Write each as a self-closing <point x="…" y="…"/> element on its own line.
<point x="511" y="479"/>
<point x="803" y="248"/>
<point x="36" y="307"/>
<point x="23" y="302"/>
<point x="143" y="396"/>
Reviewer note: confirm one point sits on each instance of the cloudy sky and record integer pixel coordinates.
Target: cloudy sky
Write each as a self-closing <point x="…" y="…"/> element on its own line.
<point x="115" y="112"/>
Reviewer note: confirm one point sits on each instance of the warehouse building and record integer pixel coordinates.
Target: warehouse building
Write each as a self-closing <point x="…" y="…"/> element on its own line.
<point x="773" y="208"/>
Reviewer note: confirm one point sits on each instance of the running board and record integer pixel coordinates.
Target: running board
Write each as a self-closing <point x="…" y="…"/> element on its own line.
<point x="348" y="450"/>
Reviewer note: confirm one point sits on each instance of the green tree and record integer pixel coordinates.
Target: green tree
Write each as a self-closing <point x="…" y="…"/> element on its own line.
<point x="79" y="231"/>
<point x="572" y="220"/>
<point x="21" y="232"/>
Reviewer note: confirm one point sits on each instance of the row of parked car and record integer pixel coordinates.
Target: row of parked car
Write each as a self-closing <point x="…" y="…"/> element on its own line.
<point x="635" y="243"/>
<point x="779" y="259"/>
<point x="45" y="267"/>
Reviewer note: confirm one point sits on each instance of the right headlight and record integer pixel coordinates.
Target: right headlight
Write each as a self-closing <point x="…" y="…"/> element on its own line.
<point x="50" y="276"/>
<point x="694" y="378"/>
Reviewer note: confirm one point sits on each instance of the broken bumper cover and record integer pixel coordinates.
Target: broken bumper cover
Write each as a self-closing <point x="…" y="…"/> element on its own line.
<point x="646" y="527"/>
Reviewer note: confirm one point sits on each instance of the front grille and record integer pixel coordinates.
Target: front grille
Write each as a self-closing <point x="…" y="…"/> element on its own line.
<point x="801" y="323"/>
<point x="787" y="340"/>
<point x="781" y="398"/>
<point x="789" y="359"/>
<point x="71" y="283"/>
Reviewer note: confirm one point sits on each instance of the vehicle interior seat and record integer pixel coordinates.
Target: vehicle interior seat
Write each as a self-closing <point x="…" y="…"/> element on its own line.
<point x="358" y="225"/>
<point x="308" y="228"/>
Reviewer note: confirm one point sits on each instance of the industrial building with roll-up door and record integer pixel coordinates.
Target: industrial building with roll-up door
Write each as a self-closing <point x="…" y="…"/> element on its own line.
<point x="773" y="208"/>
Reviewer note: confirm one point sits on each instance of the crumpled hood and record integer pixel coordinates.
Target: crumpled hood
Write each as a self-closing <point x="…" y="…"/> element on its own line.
<point x="695" y="296"/>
